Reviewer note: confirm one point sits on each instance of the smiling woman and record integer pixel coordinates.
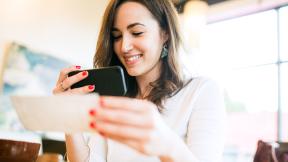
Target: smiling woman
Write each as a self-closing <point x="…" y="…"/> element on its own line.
<point x="129" y="37"/>
<point x="163" y="107"/>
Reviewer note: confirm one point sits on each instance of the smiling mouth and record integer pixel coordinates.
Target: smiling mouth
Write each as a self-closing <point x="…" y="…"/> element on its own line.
<point x="132" y="59"/>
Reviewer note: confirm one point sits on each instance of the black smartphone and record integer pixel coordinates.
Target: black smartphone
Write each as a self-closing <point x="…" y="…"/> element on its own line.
<point x="108" y="81"/>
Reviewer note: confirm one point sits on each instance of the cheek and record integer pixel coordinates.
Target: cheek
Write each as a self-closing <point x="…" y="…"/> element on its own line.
<point x="116" y="48"/>
<point x="149" y="45"/>
<point x="153" y="49"/>
<point x="155" y="43"/>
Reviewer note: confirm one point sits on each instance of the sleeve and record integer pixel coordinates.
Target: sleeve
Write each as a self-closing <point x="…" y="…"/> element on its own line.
<point x="97" y="147"/>
<point x="206" y="126"/>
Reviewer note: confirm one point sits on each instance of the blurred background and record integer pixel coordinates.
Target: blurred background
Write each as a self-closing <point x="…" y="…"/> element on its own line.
<point x="240" y="43"/>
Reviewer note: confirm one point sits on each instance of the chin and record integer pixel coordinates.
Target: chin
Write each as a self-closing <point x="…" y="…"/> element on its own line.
<point x="134" y="72"/>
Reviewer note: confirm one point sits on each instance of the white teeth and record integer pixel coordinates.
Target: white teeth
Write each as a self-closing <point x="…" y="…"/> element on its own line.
<point x="133" y="58"/>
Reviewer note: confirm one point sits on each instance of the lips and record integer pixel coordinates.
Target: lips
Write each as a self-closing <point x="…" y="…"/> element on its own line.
<point x="133" y="59"/>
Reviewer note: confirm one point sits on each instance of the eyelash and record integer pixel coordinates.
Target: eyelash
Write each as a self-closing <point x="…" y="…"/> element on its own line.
<point x="136" y="34"/>
<point x="116" y="38"/>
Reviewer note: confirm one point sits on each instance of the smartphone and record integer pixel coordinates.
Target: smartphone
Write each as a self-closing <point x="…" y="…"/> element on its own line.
<point x="108" y="81"/>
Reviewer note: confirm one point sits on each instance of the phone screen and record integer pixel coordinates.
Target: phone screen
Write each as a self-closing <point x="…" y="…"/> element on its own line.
<point x="108" y="81"/>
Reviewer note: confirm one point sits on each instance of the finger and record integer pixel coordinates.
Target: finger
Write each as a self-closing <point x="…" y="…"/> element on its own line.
<point x="57" y="89"/>
<point x="82" y="90"/>
<point x="126" y="103"/>
<point x="122" y="131"/>
<point x="62" y="76"/>
<point x="68" y="82"/>
<point x="64" y="72"/>
<point x="124" y="117"/>
<point x="57" y="92"/>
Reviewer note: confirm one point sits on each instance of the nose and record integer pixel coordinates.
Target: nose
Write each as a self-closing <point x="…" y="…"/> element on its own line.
<point x="127" y="44"/>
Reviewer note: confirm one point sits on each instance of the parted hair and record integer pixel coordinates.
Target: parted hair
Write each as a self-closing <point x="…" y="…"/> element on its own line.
<point x="171" y="78"/>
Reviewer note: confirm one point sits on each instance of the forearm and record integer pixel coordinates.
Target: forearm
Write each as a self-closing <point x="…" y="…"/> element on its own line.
<point x="77" y="149"/>
<point x="178" y="152"/>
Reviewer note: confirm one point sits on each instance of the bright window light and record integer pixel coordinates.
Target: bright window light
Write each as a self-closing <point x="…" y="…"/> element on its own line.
<point x="284" y="101"/>
<point x="251" y="89"/>
<point x="284" y="33"/>
<point x="242" y="54"/>
<point x="241" y="42"/>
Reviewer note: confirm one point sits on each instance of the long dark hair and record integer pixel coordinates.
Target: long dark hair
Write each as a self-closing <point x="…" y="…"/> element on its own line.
<point x="171" y="78"/>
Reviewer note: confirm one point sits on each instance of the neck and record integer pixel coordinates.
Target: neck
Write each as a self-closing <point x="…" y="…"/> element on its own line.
<point x="144" y="80"/>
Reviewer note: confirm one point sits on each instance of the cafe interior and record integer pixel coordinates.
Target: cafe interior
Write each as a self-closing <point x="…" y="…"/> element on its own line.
<point x="242" y="44"/>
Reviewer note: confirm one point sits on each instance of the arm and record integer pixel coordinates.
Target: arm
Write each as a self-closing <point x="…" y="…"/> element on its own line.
<point x="81" y="150"/>
<point x="138" y="124"/>
<point x="77" y="149"/>
<point x="205" y="131"/>
<point x="179" y="152"/>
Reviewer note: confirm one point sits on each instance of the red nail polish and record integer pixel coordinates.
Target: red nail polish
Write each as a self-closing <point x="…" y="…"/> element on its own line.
<point x="92" y="112"/>
<point x="92" y="125"/>
<point x="78" y="67"/>
<point x="91" y="87"/>
<point x="84" y="73"/>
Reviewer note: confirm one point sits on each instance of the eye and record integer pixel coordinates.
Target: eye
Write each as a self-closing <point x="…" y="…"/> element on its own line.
<point x="137" y="33"/>
<point x="116" y="37"/>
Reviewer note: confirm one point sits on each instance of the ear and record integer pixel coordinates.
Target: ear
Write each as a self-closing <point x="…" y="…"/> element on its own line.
<point x="164" y="36"/>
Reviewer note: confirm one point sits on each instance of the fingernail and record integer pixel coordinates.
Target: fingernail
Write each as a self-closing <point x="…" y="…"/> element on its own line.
<point x="92" y="112"/>
<point x="91" y="87"/>
<point x="101" y="101"/>
<point x="84" y="73"/>
<point x="92" y="125"/>
<point x="78" y="67"/>
<point x="102" y="134"/>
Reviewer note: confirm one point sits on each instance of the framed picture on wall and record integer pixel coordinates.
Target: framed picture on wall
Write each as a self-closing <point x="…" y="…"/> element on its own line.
<point x="24" y="71"/>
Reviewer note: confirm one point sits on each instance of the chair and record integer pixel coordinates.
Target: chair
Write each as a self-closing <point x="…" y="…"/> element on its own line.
<point x="271" y="152"/>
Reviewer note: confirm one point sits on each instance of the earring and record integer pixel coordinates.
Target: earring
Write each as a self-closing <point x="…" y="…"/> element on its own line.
<point x="164" y="51"/>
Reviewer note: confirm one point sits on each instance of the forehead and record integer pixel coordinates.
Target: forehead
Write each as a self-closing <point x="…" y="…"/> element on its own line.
<point x="131" y="12"/>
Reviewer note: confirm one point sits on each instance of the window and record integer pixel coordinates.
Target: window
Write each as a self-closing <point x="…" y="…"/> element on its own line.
<point x="283" y="12"/>
<point x="283" y="61"/>
<point x="243" y="54"/>
<point x="245" y="41"/>
<point x="284" y="102"/>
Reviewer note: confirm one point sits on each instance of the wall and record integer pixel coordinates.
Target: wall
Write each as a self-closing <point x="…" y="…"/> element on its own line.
<point x="67" y="29"/>
<point x="236" y="8"/>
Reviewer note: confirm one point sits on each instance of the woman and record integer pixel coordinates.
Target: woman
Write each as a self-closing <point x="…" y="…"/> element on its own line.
<point x="165" y="115"/>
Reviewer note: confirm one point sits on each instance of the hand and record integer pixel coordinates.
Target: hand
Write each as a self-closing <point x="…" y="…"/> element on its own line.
<point x="136" y="123"/>
<point x="64" y="82"/>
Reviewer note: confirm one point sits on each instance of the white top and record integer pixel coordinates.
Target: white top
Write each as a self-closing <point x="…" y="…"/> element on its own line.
<point x="196" y="114"/>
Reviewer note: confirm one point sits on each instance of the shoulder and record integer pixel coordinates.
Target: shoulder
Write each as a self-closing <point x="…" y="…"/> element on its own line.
<point x="196" y="88"/>
<point x="200" y="84"/>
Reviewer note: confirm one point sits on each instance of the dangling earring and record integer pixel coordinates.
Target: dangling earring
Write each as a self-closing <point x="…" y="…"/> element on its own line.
<point x="164" y="51"/>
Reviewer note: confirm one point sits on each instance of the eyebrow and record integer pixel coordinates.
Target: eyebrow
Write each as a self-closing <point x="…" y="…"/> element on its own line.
<point x="129" y="26"/>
